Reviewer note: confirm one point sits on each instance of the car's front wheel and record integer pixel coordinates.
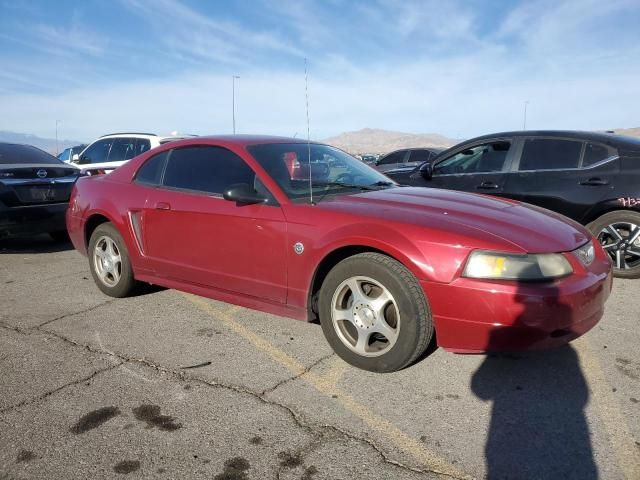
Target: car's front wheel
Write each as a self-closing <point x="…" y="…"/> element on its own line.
<point x="109" y="262"/>
<point x="619" y="234"/>
<point x="374" y="314"/>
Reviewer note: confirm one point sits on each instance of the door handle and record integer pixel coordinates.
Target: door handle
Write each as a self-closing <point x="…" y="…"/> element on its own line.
<point x="488" y="186"/>
<point x="595" y="182"/>
<point x="163" y="206"/>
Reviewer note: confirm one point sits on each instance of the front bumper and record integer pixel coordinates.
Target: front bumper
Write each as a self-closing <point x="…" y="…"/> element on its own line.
<point x="473" y="316"/>
<point x="32" y="219"/>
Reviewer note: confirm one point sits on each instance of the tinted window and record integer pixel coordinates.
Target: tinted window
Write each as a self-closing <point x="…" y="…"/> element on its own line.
<point x="122" y="149"/>
<point x="488" y="157"/>
<point x="151" y="172"/>
<point x="96" y="153"/>
<point x="420" y="155"/>
<point x="550" y="154"/>
<point x="142" y="145"/>
<point x="395" y="157"/>
<point x="206" y="169"/>
<point x="23" y="154"/>
<point x="595" y="152"/>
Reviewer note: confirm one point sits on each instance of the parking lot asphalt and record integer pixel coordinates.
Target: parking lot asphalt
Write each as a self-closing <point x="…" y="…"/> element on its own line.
<point x="169" y="385"/>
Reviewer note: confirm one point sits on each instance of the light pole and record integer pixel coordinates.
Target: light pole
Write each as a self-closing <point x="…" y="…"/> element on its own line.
<point x="57" y="150"/>
<point x="233" y="100"/>
<point x="524" y="122"/>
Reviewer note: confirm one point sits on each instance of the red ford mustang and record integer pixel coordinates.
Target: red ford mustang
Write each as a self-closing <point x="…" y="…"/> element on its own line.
<point x="382" y="267"/>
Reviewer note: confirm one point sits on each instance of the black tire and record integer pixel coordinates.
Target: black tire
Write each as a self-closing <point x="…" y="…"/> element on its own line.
<point x="59" y="236"/>
<point x="415" y="327"/>
<point x="126" y="282"/>
<point x="621" y="218"/>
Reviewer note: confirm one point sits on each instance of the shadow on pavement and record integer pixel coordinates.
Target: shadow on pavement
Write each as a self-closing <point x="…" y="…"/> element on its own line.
<point x="33" y="244"/>
<point x="538" y="428"/>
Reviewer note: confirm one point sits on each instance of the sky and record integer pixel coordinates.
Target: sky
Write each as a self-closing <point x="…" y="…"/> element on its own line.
<point x="458" y="68"/>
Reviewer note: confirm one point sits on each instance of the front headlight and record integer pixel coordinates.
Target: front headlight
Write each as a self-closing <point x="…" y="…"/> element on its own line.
<point x="501" y="266"/>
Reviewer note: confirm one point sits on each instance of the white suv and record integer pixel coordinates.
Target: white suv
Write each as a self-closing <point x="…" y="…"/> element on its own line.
<point x="110" y="151"/>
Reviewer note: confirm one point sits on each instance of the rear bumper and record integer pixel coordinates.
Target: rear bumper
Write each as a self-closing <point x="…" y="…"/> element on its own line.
<point x="32" y="219"/>
<point x="473" y="316"/>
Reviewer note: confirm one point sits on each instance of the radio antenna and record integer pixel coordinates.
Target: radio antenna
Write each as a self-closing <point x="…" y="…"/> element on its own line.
<point x="306" y="95"/>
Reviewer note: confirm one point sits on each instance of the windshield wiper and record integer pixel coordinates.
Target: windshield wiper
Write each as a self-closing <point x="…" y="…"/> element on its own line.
<point x="373" y="186"/>
<point x="346" y="185"/>
<point x="382" y="183"/>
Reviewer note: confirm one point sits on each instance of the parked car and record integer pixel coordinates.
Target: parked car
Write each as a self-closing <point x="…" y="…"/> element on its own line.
<point x="380" y="266"/>
<point x="368" y="158"/>
<point x="592" y="178"/>
<point x="34" y="191"/>
<point x="407" y="157"/>
<point x="67" y="154"/>
<point x="110" y="151"/>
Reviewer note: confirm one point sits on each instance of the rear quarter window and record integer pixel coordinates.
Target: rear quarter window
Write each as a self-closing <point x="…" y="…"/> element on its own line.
<point x="596" y="152"/>
<point x="151" y="171"/>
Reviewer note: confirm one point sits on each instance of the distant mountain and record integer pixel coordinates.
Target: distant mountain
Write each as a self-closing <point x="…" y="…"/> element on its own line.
<point x="46" y="144"/>
<point x="632" y="132"/>
<point x="374" y="140"/>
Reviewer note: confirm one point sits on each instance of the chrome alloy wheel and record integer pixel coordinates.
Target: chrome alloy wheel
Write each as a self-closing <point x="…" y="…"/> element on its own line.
<point x="107" y="261"/>
<point x="365" y="316"/>
<point x="621" y="240"/>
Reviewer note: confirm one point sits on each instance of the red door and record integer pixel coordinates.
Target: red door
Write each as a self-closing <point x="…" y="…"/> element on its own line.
<point x="211" y="241"/>
<point x="198" y="237"/>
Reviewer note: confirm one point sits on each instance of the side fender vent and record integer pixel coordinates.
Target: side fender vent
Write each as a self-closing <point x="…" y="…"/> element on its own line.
<point x="136" y="227"/>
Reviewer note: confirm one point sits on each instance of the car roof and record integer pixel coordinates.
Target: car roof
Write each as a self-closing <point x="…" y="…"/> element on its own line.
<point x="577" y="134"/>
<point x="128" y="134"/>
<point x="244" y="140"/>
<point x="437" y="149"/>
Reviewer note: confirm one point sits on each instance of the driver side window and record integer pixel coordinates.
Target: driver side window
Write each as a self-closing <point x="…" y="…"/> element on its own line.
<point x="488" y="157"/>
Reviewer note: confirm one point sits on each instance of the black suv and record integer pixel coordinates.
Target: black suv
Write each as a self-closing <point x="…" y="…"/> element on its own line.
<point x="593" y="178"/>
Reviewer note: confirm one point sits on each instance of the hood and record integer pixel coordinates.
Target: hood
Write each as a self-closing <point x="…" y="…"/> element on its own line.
<point x="515" y="225"/>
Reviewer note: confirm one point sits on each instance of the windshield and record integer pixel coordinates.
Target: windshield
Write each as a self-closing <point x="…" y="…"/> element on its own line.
<point x="12" y="153"/>
<point x="332" y="171"/>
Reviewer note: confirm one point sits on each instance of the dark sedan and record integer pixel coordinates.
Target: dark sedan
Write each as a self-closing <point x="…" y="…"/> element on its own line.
<point x="34" y="191"/>
<point x="407" y="157"/>
<point x="592" y="178"/>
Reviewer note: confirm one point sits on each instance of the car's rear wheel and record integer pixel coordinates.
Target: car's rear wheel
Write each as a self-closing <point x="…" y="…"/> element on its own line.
<point x="109" y="262"/>
<point x="374" y="314"/>
<point x="619" y="234"/>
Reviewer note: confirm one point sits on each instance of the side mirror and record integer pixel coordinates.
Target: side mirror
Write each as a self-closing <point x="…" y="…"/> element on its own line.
<point x="426" y="170"/>
<point x="243" y="194"/>
<point x="75" y="158"/>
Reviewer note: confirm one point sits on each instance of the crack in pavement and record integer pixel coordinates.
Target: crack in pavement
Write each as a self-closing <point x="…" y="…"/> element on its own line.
<point x="298" y="375"/>
<point x="58" y="389"/>
<point x="106" y="302"/>
<point x="314" y="429"/>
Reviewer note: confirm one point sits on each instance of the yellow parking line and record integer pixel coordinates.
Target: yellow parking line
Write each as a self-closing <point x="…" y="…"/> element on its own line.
<point x="328" y="385"/>
<point x="335" y="371"/>
<point x="609" y="412"/>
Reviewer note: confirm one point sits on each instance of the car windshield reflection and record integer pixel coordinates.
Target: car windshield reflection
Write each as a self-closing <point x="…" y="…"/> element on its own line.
<point x="301" y="169"/>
